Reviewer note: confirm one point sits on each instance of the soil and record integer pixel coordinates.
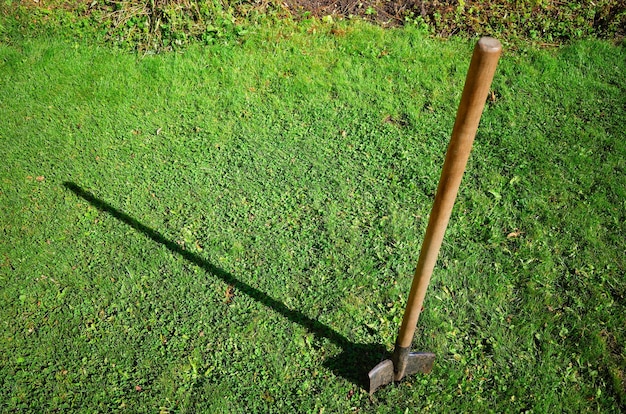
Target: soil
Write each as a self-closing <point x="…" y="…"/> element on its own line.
<point x="385" y="12"/>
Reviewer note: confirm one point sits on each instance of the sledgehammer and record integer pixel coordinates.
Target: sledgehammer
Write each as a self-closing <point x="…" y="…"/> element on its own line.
<point x="403" y="362"/>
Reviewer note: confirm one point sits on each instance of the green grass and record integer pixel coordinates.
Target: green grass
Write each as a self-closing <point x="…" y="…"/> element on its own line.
<point x="233" y="228"/>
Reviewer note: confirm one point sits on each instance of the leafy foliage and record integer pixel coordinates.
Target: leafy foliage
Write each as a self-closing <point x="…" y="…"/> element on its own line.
<point x="152" y="25"/>
<point x="141" y="25"/>
<point x="537" y="20"/>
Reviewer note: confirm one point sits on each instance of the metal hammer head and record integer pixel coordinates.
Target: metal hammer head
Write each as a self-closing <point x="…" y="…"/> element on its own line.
<point x="403" y="363"/>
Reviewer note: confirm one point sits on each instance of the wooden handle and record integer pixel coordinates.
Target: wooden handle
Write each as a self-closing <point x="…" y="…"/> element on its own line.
<point x="477" y="84"/>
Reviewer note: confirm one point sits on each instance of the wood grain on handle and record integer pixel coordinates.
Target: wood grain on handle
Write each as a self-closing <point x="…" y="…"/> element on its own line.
<point x="477" y="84"/>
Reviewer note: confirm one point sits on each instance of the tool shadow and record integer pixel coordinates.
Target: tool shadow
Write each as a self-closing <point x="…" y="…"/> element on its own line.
<point x="355" y="360"/>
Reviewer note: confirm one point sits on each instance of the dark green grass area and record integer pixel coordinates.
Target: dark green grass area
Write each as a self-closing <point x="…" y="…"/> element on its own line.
<point x="234" y="228"/>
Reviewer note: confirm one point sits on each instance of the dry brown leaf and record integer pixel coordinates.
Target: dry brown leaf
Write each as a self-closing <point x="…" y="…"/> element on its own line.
<point x="514" y="234"/>
<point x="492" y="96"/>
<point x="230" y="294"/>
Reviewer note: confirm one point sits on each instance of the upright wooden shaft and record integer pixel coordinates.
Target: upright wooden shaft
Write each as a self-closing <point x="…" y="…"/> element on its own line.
<point x="477" y="84"/>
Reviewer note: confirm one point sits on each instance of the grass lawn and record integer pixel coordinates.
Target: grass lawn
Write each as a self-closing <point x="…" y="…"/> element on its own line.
<point x="233" y="228"/>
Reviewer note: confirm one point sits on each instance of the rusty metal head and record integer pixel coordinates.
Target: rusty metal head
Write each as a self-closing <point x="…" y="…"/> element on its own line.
<point x="406" y="363"/>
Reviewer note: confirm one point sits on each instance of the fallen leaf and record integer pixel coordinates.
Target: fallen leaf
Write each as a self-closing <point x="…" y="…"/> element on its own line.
<point x="492" y="96"/>
<point x="138" y="388"/>
<point x="40" y="178"/>
<point x="514" y="234"/>
<point x="230" y="294"/>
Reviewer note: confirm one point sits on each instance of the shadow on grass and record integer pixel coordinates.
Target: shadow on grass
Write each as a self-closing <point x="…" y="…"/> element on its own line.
<point x="352" y="364"/>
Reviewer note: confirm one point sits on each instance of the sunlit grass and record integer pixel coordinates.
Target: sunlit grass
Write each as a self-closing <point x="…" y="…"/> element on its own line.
<point x="297" y="170"/>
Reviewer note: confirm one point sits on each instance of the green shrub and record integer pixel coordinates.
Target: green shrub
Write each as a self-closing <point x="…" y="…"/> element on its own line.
<point x="143" y="25"/>
<point x="544" y="20"/>
<point x="167" y="24"/>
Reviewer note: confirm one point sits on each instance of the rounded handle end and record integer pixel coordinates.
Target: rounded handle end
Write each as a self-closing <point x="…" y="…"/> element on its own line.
<point x="489" y="45"/>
